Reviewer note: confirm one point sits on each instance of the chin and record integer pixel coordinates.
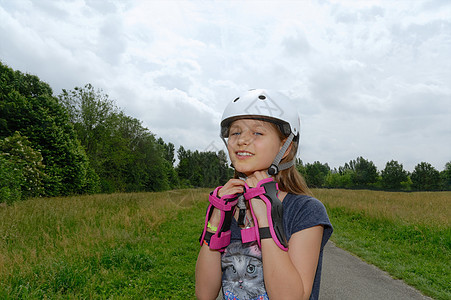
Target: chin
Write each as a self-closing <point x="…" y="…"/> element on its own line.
<point x="242" y="170"/>
<point x="247" y="171"/>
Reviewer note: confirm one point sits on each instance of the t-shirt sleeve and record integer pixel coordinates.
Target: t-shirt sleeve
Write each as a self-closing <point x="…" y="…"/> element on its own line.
<point x="302" y="212"/>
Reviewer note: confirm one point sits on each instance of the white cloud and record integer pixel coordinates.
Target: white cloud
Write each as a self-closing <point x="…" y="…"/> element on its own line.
<point x="370" y="78"/>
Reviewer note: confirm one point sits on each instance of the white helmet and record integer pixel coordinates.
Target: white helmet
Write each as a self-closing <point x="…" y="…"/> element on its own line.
<point x="268" y="106"/>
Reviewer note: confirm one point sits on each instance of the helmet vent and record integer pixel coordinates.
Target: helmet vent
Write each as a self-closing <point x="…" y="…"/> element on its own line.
<point x="262" y="97"/>
<point x="236" y="99"/>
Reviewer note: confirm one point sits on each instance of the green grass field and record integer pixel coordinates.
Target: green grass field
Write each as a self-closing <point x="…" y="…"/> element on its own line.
<point x="144" y="245"/>
<point x="406" y="234"/>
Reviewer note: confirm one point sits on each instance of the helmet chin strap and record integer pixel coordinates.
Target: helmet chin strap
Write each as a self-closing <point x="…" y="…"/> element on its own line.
<point x="276" y="166"/>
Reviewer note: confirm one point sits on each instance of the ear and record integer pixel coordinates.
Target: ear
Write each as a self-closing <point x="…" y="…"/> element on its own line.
<point x="288" y="149"/>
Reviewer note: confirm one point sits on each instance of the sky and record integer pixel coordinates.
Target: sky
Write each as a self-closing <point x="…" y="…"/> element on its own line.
<point x="368" y="78"/>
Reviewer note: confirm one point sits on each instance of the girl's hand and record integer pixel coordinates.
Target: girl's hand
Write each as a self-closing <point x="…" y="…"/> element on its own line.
<point x="232" y="187"/>
<point x="256" y="177"/>
<point x="258" y="205"/>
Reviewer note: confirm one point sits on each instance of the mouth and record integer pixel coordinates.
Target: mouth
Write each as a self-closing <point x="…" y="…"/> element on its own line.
<point x="243" y="154"/>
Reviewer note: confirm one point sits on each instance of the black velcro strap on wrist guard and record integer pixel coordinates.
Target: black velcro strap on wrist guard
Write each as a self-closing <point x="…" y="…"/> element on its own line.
<point x="265" y="233"/>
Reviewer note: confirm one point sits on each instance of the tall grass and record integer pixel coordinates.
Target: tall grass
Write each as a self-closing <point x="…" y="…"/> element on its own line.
<point x="144" y="245"/>
<point x="406" y="234"/>
<point x="422" y="208"/>
<point x="133" y="246"/>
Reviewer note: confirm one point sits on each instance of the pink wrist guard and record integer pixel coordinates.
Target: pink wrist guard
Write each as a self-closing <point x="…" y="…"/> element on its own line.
<point x="267" y="190"/>
<point x="221" y="238"/>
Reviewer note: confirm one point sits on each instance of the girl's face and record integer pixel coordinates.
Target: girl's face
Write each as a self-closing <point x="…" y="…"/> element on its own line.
<point x="252" y="145"/>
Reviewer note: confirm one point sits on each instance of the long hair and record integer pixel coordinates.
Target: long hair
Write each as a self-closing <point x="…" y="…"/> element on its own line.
<point x="289" y="180"/>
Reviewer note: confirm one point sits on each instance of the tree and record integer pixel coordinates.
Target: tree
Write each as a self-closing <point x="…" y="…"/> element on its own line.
<point x="202" y="169"/>
<point x="125" y="155"/>
<point x="168" y="151"/>
<point x="28" y="107"/>
<point x="363" y="172"/>
<point x="92" y="114"/>
<point x="185" y="166"/>
<point x="316" y="174"/>
<point x="445" y="176"/>
<point x="225" y="173"/>
<point x="300" y="167"/>
<point x="425" y="177"/>
<point x="393" y="175"/>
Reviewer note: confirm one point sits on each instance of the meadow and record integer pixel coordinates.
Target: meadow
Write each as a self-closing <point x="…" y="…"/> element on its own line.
<point x="144" y="245"/>
<point x="406" y="234"/>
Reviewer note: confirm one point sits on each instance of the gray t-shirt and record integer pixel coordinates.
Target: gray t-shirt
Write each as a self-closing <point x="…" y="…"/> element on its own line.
<point x="241" y="263"/>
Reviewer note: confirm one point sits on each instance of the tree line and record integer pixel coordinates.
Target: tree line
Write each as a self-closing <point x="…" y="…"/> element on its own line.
<point x="363" y="174"/>
<point x="80" y="142"/>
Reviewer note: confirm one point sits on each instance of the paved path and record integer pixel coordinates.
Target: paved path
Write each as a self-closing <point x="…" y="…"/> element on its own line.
<point x="345" y="276"/>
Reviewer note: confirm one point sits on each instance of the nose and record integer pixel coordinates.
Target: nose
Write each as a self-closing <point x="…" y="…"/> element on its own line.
<point x="244" y="138"/>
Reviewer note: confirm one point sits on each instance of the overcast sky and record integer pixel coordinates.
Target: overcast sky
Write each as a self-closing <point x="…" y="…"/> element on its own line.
<point x="369" y="78"/>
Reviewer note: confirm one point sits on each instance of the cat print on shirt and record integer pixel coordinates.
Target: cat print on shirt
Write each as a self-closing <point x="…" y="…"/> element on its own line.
<point x="243" y="272"/>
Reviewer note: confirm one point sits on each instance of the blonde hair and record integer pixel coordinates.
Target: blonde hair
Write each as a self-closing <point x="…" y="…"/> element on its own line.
<point x="289" y="180"/>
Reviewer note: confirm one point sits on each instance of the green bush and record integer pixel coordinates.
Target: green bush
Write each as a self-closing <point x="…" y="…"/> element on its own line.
<point x="337" y="180"/>
<point x="18" y="151"/>
<point x="10" y="178"/>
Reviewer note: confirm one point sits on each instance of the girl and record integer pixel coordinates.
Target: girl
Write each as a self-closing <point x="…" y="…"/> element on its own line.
<point x="289" y="228"/>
